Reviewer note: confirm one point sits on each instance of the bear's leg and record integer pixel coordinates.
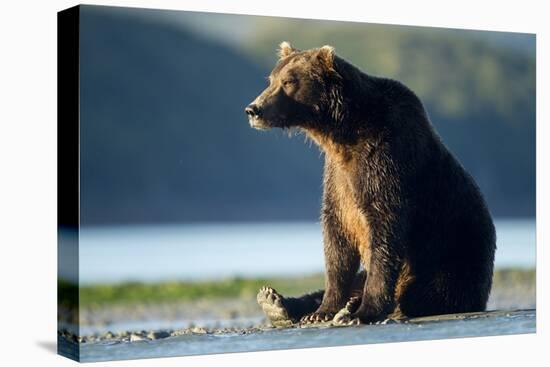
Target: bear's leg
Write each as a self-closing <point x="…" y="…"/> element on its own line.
<point x="341" y="265"/>
<point x="378" y="300"/>
<point x="285" y="311"/>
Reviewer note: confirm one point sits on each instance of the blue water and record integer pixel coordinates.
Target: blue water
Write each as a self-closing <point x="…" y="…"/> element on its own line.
<point x="151" y="253"/>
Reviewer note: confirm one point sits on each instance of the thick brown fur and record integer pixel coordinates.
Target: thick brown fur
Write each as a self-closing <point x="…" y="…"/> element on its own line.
<point x="395" y="199"/>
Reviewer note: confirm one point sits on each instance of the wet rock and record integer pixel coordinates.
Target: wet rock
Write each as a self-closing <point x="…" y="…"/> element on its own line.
<point x="135" y="337"/>
<point x="180" y="332"/>
<point x="199" y="330"/>
<point x="154" y="335"/>
<point x="123" y="335"/>
<point x="91" y="338"/>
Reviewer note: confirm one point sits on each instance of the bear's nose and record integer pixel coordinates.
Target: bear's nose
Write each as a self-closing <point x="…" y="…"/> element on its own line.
<point x="252" y="110"/>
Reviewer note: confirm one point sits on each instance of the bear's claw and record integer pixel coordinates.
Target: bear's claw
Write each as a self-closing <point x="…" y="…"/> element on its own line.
<point x="317" y="317"/>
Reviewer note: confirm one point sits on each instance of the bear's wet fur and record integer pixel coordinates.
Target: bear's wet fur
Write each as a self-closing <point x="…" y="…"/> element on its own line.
<point x="395" y="200"/>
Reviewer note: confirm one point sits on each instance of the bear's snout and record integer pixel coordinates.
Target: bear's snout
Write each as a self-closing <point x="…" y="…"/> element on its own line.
<point x="252" y="110"/>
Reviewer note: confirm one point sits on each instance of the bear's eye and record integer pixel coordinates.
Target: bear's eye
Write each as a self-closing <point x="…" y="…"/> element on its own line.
<point x="289" y="82"/>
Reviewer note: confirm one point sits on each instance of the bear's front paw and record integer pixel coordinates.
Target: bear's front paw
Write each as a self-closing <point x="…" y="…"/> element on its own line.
<point x="317" y="317"/>
<point x="344" y="316"/>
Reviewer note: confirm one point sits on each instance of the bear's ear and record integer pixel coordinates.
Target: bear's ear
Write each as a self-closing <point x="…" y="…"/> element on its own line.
<point x="326" y="56"/>
<point x="285" y="49"/>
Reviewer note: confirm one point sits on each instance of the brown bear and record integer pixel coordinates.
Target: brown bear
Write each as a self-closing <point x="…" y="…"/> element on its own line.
<point x="395" y="200"/>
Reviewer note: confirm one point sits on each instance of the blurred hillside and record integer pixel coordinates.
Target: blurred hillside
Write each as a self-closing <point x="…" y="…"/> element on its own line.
<point x="164" y="137"/>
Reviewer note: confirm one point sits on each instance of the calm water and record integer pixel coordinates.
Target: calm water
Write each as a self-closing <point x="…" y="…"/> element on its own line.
<point x="514" y="323"/>
<point x="221" y="250"/>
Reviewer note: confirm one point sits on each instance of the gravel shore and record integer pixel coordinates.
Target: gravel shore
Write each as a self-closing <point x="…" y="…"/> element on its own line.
<point x="133" y="322"/>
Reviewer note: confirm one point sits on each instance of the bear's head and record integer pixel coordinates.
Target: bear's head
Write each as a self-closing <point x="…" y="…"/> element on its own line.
<point x="303" y="91"/>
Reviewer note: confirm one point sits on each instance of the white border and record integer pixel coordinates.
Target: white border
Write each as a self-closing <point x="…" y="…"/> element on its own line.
<point x="28" y="180"/>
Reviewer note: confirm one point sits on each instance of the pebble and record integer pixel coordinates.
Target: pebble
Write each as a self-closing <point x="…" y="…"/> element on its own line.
<point x="137" y="337"/>
<point x="179" y="332"/>
<point x="153" y="335"/>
